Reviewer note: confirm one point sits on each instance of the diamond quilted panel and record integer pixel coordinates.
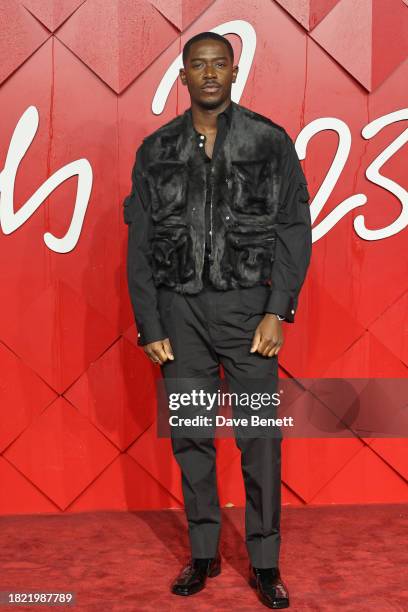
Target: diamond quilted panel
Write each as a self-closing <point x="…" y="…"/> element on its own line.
<point x="124" y="485"/>
<point x="19" y="32"/>
<point x="365" y="477"/>
<point x="335" y="331"/>
<point x="391" y="328"/>
<point x="23" y="395"/>
<point x="19" y="495"/>
<point x="61" y="453"/>
<point x="308" y="12"/>
<point x="371" y="44"/>
<point x="156" y="457"/>
<point x="117" y="40"/>
<point x="352" y="270"/>
<point x="394" y="452"/>
<point x="390" y="39"/>
<point x="349" y="41"/>
<point x="367" y="357"/>
<point x="362" y="406"/>
<point x="181" y="12"/>
<point x="117" y="393"/>
<point x="320" y="459"/>
<point x="91" y="268"/>
<point x="289" y="498"/>
<point x="52" y="13"/>
<point x="21" y="279"/>
<point x="70" y="332"/>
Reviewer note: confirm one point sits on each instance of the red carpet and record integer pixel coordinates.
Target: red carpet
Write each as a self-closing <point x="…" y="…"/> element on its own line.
<point x="342" y="557"/>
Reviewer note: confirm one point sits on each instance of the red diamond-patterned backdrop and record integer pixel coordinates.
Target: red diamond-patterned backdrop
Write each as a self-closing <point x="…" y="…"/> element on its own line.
<point x="77" y="394"/>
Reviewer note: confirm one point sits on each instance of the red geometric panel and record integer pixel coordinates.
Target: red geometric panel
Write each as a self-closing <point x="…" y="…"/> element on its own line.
<point x="70" y="332"/>
<point x="368" y="38"/>
<point x="52" y="12"/>
<point x="99" y="250"/>
<point x="392" y="328"/>
<point x="320" y="459"/>
<point x="117" y="40"/>
<point x="155" y="456"/>
<point x="181" y="12"/>
<point x="289" y="498"/>
<point x="23" y="280"/>
<point x="19" y="32"/>
<point x="331" y="320"/>
<point x="117" y="393"/>
<point x="308" y="12"/>
<point x="355" y="272"/>
<point x="61" y="452"/>
<point x="393" y="451"/>
<point x="23" y="395"/>
<point x="366" y="477"/>
<point x="19" y="495"/>
<point x="367" y="357"/>
<point x="124" y="485"/>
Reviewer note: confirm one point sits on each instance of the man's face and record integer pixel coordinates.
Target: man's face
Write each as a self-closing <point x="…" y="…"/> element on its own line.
<point x="209" y="73"/>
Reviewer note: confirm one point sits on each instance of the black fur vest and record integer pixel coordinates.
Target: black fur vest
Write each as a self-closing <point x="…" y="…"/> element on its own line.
<point x="246" y="183"/>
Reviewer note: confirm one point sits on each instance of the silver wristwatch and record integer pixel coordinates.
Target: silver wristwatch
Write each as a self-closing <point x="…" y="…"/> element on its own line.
<point x="279" y="317"/>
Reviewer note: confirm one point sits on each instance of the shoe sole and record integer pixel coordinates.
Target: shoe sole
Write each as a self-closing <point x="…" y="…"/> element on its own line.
<point x="213" y="574"/>
<point x="277" y="606"/>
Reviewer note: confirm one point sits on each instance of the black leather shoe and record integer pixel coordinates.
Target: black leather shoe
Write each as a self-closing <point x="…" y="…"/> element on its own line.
<point x="193" y="576"/>
<point x="271" y="590"/>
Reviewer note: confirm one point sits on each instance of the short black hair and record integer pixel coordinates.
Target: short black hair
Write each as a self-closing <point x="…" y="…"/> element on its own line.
<point x="203" y="36"/>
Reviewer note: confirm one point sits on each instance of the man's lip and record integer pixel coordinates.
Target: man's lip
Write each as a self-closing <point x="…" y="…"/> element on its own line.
<point x="211" y="87"/>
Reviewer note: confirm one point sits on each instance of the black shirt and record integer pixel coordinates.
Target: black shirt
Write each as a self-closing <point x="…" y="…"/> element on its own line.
<point x="223" y="124"/>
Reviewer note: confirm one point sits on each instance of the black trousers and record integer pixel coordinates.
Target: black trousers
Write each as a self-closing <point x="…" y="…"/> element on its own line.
<point x="205" y="330"/>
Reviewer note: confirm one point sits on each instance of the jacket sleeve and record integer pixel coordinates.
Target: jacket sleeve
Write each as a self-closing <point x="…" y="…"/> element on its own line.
<point x="293" y="237"/>
<point x="142" y="290"/>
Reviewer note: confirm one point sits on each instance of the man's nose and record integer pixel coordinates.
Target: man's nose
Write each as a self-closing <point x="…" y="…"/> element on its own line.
<point x="209" y="72"/>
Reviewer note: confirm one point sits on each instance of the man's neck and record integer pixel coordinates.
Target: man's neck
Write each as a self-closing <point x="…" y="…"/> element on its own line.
<point x="205" y="119"/>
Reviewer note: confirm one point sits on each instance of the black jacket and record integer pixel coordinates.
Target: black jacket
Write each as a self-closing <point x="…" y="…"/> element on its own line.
<point x="259" y="215"/>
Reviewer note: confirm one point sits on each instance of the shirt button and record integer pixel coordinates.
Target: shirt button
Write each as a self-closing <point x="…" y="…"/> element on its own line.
<point x="227" y="217"/>
<point x="210" y="232"/>
<point x="138" y="335"/>
<point x="201" y="144"/>
<point x="202" y="137"/>
<point x="292" y="311"/>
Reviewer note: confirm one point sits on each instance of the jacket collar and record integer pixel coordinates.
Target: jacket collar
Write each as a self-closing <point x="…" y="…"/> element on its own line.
<point x="227" y="113"/>
<point x="187" y="145"/>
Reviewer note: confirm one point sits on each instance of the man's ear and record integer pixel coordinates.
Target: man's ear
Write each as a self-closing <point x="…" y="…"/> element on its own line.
<point x="235" y="73"/>
<point x="182" y="75"/>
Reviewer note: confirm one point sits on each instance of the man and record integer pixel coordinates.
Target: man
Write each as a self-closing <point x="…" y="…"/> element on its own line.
<point x="219" y="246"/>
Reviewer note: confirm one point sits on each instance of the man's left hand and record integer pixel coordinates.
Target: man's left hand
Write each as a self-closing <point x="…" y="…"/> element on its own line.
<point x="268" y="337"/>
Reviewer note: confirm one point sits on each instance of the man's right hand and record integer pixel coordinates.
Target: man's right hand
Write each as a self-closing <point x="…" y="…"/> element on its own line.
<point x="159" y="351"/>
